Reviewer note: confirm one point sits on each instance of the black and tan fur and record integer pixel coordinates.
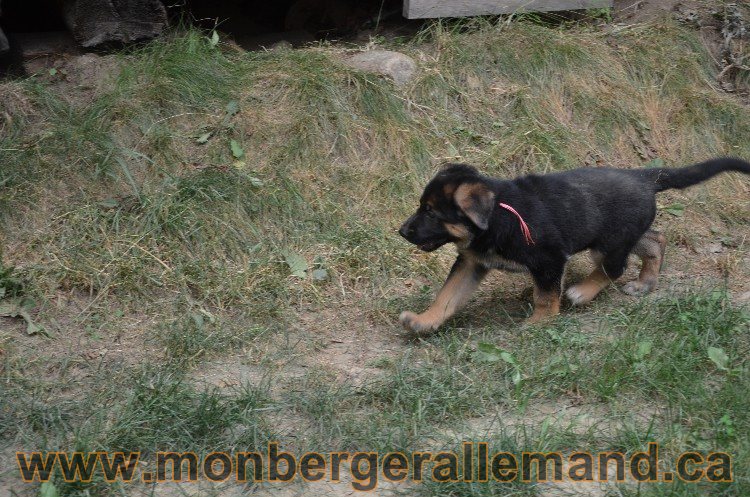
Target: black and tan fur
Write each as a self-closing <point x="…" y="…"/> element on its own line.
<point x="604" y="210"/>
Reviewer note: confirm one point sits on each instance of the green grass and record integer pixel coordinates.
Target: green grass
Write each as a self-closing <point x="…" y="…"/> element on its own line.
<point x="159" y="256"/>
<point x="147" y="194"/>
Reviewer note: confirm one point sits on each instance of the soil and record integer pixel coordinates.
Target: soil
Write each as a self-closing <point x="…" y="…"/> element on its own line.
<point x="635" y="11"/>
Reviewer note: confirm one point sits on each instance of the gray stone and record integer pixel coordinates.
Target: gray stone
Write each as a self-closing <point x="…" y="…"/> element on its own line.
<point x="4" y="46"/>
<point x="397" y="66"/>
<point x="281" y="46"/>
<point x="79" y="79"/>
<point x="100" y="22"/>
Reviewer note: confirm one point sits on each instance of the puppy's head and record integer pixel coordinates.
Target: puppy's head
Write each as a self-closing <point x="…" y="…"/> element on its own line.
<point x="455" y="207"/>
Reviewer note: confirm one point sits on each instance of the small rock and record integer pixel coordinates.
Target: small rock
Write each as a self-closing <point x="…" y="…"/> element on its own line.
<point x="473" y="82"/>
<point x="281" y="45"/>
<point x="688" y="16"/>
<point x="728" y="86"/>
<point x="4" y="46"/>
<point x="397" y="66"/>
<point x="714" y="248"/>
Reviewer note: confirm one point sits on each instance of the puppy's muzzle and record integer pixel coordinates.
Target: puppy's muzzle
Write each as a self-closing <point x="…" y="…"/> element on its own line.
<point x="407" y="229"/>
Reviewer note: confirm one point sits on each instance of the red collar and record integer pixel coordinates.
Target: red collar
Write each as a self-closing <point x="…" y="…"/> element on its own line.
<point x="524" y="227"/>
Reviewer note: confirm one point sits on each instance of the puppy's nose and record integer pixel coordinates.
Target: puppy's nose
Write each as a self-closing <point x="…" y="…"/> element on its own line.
<point x="406" y="230"/>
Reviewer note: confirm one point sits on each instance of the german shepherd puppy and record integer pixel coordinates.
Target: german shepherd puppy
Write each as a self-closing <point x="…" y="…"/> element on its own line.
<point x="535" y="223"/>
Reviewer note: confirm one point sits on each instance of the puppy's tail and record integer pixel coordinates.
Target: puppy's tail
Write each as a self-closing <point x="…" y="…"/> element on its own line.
<point x="666" y="178"/>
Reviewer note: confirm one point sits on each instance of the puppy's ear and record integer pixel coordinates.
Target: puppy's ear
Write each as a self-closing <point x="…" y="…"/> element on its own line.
<point x="459" y="169"/>
<point x="477" y="201"/>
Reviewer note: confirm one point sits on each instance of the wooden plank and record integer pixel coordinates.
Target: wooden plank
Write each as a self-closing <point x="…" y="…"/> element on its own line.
<point x="420" y="9"/>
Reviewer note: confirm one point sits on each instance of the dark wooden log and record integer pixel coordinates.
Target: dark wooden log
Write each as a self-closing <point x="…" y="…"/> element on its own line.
<point x="4" y="46"/>
<point x="101" y="22"/>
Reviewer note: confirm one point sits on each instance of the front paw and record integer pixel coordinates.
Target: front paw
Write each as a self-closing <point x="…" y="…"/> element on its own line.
<point x="576" y="296"/>
<point x="540" y="317"/>
<point x="417" y="323"/>
<point x="637" y="288"/>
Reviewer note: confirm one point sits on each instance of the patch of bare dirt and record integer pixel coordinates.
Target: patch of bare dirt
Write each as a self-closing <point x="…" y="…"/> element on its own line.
<point x="723" y="27"/>
<point x="81" y="79"/>
<point x="347" y="343"/>
<point x="9" y="480"/>
<point x="635" y="11"/>
<point x="77" y="77"/>
<point x="14" y="103"/>
<point x="565" y="414"/>
<point x="112" y="333"/>
<point x="342" y="342"/>
<point x="77" y="342"/>
<point x="296" y="488"/>
<point x="343" y="488"/>
<point x="642" y="10"/>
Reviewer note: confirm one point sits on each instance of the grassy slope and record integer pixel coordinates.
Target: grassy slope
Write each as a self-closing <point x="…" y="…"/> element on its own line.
<point x="153" y="258"/>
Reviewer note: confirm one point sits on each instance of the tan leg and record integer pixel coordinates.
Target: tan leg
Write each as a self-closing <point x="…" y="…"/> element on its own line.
<point x="585" y="291"/>
<point x="463" y="280"/>
<point x="650" y="248"/>
<point x="546" y="304"/>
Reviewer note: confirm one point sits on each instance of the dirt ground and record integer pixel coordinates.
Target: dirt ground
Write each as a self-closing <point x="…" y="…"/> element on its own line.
<point x="634" y="11"/>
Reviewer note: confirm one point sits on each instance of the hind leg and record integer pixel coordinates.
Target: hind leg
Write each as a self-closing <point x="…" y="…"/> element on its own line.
<point x="586" y="290"/>
<point x="609" y="267"/>
<point x="650" y="248"/>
